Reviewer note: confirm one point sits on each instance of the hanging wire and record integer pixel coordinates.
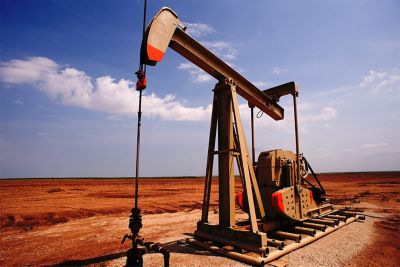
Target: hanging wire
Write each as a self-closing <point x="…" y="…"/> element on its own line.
<point x="142" y="68"/>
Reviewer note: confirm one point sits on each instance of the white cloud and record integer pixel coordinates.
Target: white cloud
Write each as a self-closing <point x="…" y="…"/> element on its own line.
<point x="311" y="114"/>
<point x="262" y="85"/>
<point x="375" y="83"/>
<point x="372" y="77"/>
<point x="222" y="49"/>
<point x="18" y="102"/>
<point x="114" y="118"/>
<point x="380" y="149"/>
<point x="324" y="115"/>
<point x="169" y="109"/>
<point x="197" y="75"/>
<point x="75" y="88"/>
<point x="198" y="30"/>
<point x="26" y="71"/>
<point x="305" y="106"/>
<point x="278" y="70"/>
<point x="375" y="145"/>
<point x="379" y="82"/>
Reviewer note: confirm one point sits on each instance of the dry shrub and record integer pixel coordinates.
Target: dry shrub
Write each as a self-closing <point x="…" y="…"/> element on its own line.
<point x="8" y="220"/>
<point x="54" y="190"/>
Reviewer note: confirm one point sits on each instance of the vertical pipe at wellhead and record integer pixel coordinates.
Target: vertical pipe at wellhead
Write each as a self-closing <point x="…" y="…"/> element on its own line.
<point x="142" y="67"/>
<point x="138" y="150"/>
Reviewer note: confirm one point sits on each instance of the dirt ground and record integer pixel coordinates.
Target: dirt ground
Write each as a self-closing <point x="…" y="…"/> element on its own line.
<point x="82" y="221"/>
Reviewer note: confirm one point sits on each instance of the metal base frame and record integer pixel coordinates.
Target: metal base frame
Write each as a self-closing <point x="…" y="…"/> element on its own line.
<point x="276" y="248"/>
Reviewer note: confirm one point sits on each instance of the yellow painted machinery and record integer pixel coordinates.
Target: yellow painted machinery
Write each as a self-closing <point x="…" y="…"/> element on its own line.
<point x="285" y="210"/>
<point x="276" y="178"/>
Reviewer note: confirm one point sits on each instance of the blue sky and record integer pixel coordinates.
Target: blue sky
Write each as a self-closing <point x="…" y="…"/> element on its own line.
<point x="68" y="105"/>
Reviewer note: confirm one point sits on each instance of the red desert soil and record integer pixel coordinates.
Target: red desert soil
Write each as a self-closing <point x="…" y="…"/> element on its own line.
<point x="32" y="209"/>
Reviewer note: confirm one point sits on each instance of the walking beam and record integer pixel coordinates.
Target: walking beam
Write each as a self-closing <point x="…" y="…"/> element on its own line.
<point x="164" y="31"/>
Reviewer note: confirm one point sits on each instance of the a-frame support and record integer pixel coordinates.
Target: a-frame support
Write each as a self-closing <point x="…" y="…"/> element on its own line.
<point x="225" y="120"/>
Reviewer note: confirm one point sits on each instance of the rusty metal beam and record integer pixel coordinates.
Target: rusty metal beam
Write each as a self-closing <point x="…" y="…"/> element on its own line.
<point x="284" y="89"/>
<point x="166" y="30"/>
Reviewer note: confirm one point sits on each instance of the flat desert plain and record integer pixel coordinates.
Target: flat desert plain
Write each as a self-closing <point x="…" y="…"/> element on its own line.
<point x="68" y="222"/>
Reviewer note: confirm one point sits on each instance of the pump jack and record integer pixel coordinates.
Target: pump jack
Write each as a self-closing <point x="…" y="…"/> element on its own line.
<point x="283" y="206"/>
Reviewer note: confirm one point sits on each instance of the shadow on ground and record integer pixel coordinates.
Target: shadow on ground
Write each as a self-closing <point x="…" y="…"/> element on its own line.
<point x="177" y="246"/>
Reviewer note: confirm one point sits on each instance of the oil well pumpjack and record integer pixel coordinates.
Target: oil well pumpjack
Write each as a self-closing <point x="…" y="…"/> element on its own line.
<point x="285" y="210"/>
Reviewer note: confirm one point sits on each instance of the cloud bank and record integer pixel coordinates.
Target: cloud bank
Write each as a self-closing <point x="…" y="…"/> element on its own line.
<point x="73" y="87"/>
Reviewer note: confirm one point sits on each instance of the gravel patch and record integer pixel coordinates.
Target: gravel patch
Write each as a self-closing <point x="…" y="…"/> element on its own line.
<point x="335" y="249"/>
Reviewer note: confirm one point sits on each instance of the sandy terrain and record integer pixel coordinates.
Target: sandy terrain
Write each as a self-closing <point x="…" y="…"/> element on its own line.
<point x="81" y="221"/>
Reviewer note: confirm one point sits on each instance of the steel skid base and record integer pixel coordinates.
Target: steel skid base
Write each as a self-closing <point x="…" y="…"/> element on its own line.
<point x="284" y="242"/>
